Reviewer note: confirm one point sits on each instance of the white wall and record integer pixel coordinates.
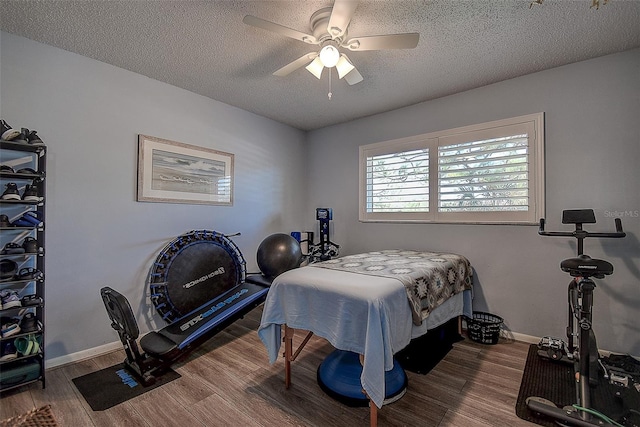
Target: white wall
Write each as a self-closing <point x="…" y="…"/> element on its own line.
<point x="89" y="114"/>
<point x="592" y="133"/>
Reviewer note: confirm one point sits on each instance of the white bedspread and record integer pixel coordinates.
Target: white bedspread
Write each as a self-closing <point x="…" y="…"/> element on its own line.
<point x="369" y="315"/>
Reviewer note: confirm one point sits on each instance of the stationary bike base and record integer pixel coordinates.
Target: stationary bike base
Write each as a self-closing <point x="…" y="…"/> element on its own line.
<point x="567" y="414"/>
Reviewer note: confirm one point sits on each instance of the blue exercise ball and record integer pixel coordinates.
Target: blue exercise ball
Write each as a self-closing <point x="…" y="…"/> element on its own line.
<point x="339" y="376"/>
<point x="278" y="253"/>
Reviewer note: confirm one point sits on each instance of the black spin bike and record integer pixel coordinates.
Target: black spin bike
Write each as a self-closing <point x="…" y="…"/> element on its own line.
<point x="581" y="348"/>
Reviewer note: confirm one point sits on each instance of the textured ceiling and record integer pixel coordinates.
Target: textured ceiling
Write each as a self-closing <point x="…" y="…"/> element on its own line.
<point x="204" y="47"/>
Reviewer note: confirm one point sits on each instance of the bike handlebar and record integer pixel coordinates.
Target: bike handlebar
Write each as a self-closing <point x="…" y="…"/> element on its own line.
<point x="582" y="233"/>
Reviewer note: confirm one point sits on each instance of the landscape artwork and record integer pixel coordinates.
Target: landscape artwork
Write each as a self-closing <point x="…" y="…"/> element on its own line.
<point x="173" y="172"/>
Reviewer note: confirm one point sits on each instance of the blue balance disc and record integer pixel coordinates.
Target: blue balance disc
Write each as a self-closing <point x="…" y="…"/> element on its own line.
<point x="339" y="377"/>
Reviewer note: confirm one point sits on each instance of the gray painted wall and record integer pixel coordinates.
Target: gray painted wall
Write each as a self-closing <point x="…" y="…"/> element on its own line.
<point x="592" y="112"/>
<point x="89" y="114"/>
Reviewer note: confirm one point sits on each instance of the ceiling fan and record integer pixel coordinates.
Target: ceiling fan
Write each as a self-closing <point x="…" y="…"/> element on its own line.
<point x="329" y="30"/>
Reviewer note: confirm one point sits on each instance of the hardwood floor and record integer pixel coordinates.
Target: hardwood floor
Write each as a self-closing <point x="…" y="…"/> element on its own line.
<point x="228" y="382"/>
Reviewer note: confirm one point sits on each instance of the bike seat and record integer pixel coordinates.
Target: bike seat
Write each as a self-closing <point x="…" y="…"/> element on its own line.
<point x="585" y="266"/>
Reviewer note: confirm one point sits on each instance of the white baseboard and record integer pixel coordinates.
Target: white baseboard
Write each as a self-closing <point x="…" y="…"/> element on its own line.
<point x="523" y="338"/>
<point x="535" y="340"/>
<point x="82" y="355"/>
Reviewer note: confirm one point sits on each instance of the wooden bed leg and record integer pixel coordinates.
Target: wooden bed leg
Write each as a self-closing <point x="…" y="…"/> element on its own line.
<point x="460" y="325"/>
<point x="288" y="355"/>
<point x="373" y="409"/>
<point x="373" y="414"/>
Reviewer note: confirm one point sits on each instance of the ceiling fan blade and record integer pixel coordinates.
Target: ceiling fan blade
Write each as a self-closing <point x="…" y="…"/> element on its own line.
<point x="289" y="68"/>
<point x="389" y="41"/>
<point x="353" y="76"/>
<point x="340" y="17"/>
<point x="280" y="29"/>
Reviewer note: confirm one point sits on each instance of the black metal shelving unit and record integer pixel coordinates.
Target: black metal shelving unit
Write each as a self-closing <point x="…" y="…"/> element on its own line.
<point x="23" y="369"/>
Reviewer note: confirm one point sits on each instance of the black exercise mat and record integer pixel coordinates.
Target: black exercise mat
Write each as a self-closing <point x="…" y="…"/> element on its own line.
<point x="554" y="381"/>
<point x="114" y="385"/>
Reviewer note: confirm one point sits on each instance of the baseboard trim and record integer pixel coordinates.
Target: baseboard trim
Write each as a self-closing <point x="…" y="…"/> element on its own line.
<point x="82" y="355"/>
<point x="522" y="337"/>
<point x="535" y="340"/>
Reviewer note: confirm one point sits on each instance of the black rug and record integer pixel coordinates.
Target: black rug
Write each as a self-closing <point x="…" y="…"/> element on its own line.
<point x="554" y="381"/>
<point x="114" y="385"/>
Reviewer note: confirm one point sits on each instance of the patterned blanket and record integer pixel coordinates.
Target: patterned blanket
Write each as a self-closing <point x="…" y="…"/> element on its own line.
<point x="429" y="278"/>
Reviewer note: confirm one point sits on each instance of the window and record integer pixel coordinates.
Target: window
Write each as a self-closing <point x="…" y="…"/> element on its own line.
<point x="487" y="173"/>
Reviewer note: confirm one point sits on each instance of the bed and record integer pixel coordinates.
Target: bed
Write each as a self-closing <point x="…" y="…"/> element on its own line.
<point x="372" y="304"/>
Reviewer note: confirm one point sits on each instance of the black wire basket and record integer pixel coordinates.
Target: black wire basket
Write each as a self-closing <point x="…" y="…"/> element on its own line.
<point x="484" y="328"/>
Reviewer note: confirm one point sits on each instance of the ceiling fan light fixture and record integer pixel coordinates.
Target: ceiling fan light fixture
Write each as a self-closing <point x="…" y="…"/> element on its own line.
<point x="329" y="56"/>
<point x="316" y="67"/>
<point x="344" y="67"/>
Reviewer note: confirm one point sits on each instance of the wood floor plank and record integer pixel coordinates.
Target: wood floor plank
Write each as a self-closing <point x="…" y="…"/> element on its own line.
<point x="215" y="411"/>
<point x="16" y="402"/>
<point x="456" y="419"/>
<point x="66" y="407"/>
<point x="159" y="407"/>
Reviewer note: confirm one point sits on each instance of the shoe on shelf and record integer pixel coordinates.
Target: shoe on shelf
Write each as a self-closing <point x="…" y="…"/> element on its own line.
<point x="27" y="170"/>
<point x="33" y="217"/>
<point x="31" y="194"/>
<point x="29" y="323"/>
<point x="8" y="351"/>
<point x="29" y="273"/>
<point x="24" y="346"/>
<point x="30" y="245"/>
<point x="4" y="221"/>
<point x="6" y="169"/>
<point x="31" y="300"/>
<point x="28" y="346"/>
<point x="7" y="132"/>
<point x="21" y="222"/>
<point x="33" y="138"/>
<point x="28" y="219"/>
<point x="22" y="136"/>
<point x="10" y="299"/>
<point x="12" y="249"/>
<point x="11" y="193"/>
<point x="10" y="328"/>
<point x="8" y="270"/>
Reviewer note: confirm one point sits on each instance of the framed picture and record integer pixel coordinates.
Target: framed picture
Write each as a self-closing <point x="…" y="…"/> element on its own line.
<point x="173" y="172"/>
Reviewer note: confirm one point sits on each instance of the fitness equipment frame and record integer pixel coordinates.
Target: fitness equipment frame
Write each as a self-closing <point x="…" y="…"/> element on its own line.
<point x="325" y="249"/>
<point x="581" y="348"/>
<point x="229" y="295"/>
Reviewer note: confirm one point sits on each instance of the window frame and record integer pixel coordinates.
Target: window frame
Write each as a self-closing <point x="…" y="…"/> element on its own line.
<point x="534" y="125"/>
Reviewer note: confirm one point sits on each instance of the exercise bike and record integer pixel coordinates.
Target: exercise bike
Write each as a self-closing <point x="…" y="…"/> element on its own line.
<point x="580" y="348"/>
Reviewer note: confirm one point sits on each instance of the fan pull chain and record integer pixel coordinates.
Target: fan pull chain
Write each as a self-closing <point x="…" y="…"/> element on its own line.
<point x="329" y="94"/>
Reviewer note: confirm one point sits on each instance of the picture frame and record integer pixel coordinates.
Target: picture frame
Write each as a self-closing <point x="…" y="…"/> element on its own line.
<point x="174" y="172"/>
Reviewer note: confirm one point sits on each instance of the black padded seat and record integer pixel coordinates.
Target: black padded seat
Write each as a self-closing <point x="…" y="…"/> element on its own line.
<point x="259" y="279"/>
<point x="585" y="266"/>
<point x="157" y="345"/>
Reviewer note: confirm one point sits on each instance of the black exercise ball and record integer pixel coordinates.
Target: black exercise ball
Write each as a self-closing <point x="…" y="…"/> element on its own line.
<point x="277" y="254"/>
